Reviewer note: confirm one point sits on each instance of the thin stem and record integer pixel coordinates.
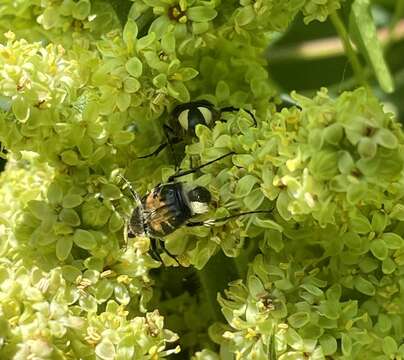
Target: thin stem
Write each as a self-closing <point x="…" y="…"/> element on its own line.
<point x="349" y="51"/>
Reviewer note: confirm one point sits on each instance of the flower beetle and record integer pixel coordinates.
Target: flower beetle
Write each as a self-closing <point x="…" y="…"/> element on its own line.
<point x="169" y="206"/>
<point x="184" y="119"/>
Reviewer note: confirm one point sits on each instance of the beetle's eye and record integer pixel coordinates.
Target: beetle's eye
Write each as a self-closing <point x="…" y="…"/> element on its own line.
<point x="206" y="113"/>
<point x="183" y="118"/>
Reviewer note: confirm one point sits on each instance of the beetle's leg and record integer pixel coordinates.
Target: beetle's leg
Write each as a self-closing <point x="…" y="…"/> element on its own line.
<point x="211" y="222"/>
<point x="155" y="244"/>
<point x="135" y="195"/>
<point x="172" y="139"/>
<point x="155" y="152"/>
<point x="127" y="230"/>
<point x="163" y="247"/>
<point x="233" y="109"/>
<point x="190" y="171"/>
<point x="153" y="250"/>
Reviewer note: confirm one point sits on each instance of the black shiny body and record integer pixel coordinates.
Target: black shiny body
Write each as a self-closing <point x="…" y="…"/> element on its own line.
<point x="194" y="116"/>
<point x="165" y="209"/>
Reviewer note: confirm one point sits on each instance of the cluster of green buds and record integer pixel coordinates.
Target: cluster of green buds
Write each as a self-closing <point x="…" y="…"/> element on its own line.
<point x="82" y="97"/>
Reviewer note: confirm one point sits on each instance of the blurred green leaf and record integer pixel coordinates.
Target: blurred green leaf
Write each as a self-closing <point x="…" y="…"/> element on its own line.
<point x="363" y="31"/>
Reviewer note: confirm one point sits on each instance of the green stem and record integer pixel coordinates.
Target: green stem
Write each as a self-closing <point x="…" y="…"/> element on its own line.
<point x="350" y="52"/>
<point x="214" y="277"/>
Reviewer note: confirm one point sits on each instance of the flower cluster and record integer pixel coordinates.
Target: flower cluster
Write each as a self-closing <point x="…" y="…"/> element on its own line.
<point x="85" y="91"/>
<point x="290" y="309"/>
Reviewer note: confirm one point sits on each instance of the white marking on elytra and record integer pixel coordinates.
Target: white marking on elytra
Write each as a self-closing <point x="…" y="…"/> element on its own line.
<point x="198" y="207"/>
<point x="183" y="119"/>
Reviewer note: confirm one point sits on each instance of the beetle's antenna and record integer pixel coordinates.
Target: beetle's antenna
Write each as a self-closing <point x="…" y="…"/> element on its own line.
<point x="190" y="171"/>
<point x="211" y="222"/>
<point x="233" y="109"/>
<point x="133" y="192"/>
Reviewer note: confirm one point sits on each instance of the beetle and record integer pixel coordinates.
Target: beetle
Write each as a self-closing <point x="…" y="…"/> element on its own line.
<point x="169" y="206"/>
<point x="184" y="119"/>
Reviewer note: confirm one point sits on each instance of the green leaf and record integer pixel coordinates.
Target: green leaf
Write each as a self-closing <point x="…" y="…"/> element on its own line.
<point x="364" y="286"/>
<point x="63" y="247"/>
<point x="115" y="222"/>
<point x="123" y="101"/>
<point x="294" y="339"/>
<point x="178" y="91"/>
<point x="299" y="319"/>
<point x="130" y="34"/>
<point x="21" y="109"/>
<point x="55" y="193"/>
<point x="392" y="241"/>
<point x="222" y="90"/>
<point x="346" y="344"/>
<point x="384" y="323"/>
<point x="388" y="266"/>
<point x="333" y="133"/>
<point x="187" y="73"/>
<point x="70" y="157"/>
<point x="356" y="192"/>
<point x="268" y="224"/>
<point x="168" y="43"/>
<point x="103" y="290"/>
<point x="254" y="199"/>
<point x="146" y="41"/>
<point x="69" y="217"/>
<point x="368" y="264"/>
<point x="255" y="286"/>
<point x="105" y="350"/>
<point x="245" y="185"/>
<point x="40" y="209"/>
<point x="243" y="160"/>
<point x="86" y="147"/>
<point x="94" y="213"/>
<point x="131" y="85"/>
<point x="389" y="346"/>
<point x="121" y="294"/>
<point x="367" y="148"/>
<point x="385" y="138"/>
<point x="334" y="292"/>
<point x="360" y="223"/>
<point x="84" y="239"/>
<point x="397" y="212"/>
<point x="88" y="303"/>
<point x="110" y="191"/>
<point x="379" y="249"/>
<point x="312" y="289"/>
<point x="123" y="137"/>
<point x="72" y="201"/>
<point x="352" y="240"/>
<point x="245" y="15"/>
<point x="330" y="309"/>
<point x="201" y="13"/>
<point x="363" y="27"/>
<point x="81" y="9"/>
<point x="328" y="344"/>
<point x="379" y="221"/>
<point x="323" y="165"/>
<point x="345" y="162"/>
<point x="134" y="67"/>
